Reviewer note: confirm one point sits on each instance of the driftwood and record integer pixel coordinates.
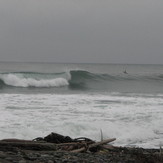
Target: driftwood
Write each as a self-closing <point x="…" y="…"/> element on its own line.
<point x="40" y="150"/>
<point x="72" y="146"/>
<point x="93" y="145"/>
<point x="108" y="147"/>
<point x="28" y="145"/>
<point x="56" y="141"/>
<point x="16" y="140"/>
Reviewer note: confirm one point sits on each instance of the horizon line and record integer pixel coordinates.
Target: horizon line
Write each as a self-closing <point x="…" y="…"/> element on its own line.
<point x="44" y="62"/>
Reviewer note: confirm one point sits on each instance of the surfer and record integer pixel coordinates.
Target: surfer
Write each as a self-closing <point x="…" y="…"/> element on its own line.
<point x="125" y="72"/>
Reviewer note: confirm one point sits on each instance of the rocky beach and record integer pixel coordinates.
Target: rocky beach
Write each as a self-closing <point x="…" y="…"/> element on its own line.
<point x="56" y="148"/>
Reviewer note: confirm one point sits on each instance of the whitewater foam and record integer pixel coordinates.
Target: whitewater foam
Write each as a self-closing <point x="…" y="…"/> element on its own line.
<point x="18" y="80"/>
<point x="135" y="120"/>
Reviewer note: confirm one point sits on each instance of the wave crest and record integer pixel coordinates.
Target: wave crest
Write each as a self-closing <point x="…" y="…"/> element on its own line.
<point x="18" y="80"/>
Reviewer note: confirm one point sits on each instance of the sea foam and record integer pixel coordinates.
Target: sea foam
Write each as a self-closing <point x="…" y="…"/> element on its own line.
<point x="135" y="120"/>
<point x="19" y="80"/>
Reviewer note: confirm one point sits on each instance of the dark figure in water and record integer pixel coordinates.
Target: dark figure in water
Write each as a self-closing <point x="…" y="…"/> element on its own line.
<point x="125" y="72"/>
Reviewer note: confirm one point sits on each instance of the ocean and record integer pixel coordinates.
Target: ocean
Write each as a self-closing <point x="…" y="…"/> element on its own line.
<point x="121" y="101"/>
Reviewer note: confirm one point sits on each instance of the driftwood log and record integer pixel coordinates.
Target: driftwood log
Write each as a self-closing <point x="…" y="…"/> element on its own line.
<point x="94" y="145"/>
<point x="56" y="141"/>
<point x="56" y="148"/>
<point x="29" y="145"/>
<point x="72" y="146"/>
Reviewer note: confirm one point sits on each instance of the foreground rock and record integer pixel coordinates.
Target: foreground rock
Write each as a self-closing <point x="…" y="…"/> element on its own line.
<point x="56" y="148"/>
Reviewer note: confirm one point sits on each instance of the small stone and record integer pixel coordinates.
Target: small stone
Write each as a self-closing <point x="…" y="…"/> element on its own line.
<point x="2" y="154"/>
<point x="50" y="161"/>
<point x="22" y="161"/>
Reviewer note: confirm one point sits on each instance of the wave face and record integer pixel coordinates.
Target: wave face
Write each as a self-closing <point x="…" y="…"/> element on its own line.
<point x="83" y="80"/>
<point x="138" y="83"/>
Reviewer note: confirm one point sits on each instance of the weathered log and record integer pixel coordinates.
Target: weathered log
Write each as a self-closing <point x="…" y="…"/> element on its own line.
<point x="74" y="143"/>
<point x="108" y="147"/>
<point x="29" y="145"/>
<point x="93" y="145"/>
<point x="102" y="142"/>
<point x="83" y="149"/>
<point x="15" y="140"/>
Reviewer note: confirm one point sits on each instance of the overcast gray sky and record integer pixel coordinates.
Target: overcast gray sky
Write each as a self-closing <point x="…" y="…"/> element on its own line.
<point x="101" y="31"/>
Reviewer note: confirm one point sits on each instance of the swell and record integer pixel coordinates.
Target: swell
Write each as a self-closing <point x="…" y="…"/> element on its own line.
<point x="78" y="76"/>
<point x="75" y="79"/>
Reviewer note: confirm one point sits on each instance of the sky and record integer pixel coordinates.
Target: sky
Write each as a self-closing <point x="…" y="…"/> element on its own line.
<point x="82" y="31"/>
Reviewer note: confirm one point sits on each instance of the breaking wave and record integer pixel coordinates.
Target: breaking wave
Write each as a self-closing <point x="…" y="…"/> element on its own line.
<point x="24" y="79"/>
<point x="75" y="79"/>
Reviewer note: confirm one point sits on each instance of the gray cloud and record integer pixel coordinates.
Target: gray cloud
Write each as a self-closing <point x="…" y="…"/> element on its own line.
<point x="81" y="31"/>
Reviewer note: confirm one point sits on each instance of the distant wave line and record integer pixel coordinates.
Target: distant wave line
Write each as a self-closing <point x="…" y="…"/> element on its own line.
<point x="72" y="78"/>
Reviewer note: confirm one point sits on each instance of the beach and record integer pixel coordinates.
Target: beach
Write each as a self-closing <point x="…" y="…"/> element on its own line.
<point x="28" y="151"/>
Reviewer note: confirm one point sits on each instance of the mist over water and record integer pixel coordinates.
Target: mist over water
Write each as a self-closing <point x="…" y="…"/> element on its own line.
<point x="82" y="99"/>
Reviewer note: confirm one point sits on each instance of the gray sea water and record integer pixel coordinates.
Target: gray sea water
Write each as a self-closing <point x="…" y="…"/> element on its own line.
<point x="124" y="101"/>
